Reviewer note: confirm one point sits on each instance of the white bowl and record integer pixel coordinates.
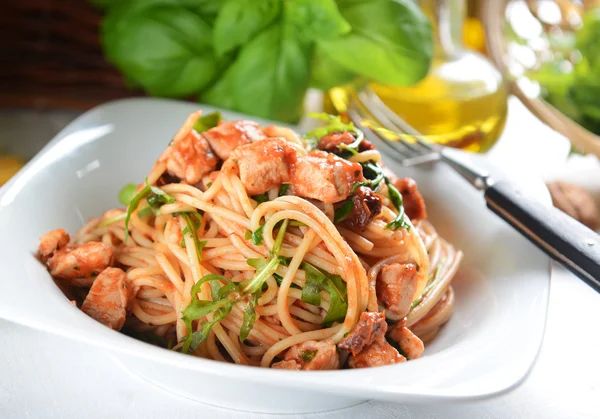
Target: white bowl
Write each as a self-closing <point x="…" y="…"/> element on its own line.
<point x="488" y="346"/>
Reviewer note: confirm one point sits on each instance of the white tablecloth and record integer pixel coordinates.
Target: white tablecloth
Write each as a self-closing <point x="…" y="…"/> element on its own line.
<point x="44" y="376"/>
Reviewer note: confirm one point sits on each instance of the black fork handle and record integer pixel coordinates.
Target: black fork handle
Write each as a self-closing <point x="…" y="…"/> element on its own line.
<point x="563" y="238"/>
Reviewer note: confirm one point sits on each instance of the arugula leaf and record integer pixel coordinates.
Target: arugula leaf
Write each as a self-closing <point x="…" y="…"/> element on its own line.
<point x="317" y="281"/>
<point x="144" y="212"/>
<point x="257" y="236"/>
<point x="166" y="49"/>
<point x="208" y="121"/>
<point x="314" y="20"/>
<point x="390" y="41"/>
<point x="193" y="223"/>
<point x="284" y="188"/>
<point x="334" y="124"/>
<point x="249" y="317"/>
<point x="308" y="355"/>
<point x="135" y="202"/>
<point x="265" y="268"/>
<point x="269" y="77"/>
<point x="373" y="172"/>
<point x="342" y="212"/>
<point x="263" y="197"/>
<point x="396" y="198"/>
<point x="248" y="235"/>
<point x="239" y="21"/>
<point x="127" y="193"/>
<point x="113" y="220"/>
<point x="219" y="293"/>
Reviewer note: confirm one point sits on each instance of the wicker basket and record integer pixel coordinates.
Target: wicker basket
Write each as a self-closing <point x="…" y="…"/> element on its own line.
<point x="51" y="56"/>
<point x="494" y="23"/>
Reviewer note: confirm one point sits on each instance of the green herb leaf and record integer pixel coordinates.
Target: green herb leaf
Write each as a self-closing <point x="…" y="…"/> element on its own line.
<point x="315" y="20"/>
<point x="221" y="308"/>
<point x="239" y="21"/>
<point x="284" y="188"/>
<point x="308" y="355"/>
<point x="127" y="193"/>
<point x="390" y="42"/>
<point x="208" y="121"/>
<point x="396" y="198"/>
<point x="342" y="212"/>
<point x="248" y="235"/>
<point x="317" y="281"/>
<point x="263" y="197"/>
<point x="334" y="124"/>
<point x="257" y="236"/>
<point x="193" y="223"/>
<point x="269" y="77"/>
<point x="249" y="317"/>
<point x="327" y="73"/>
<point x="166" y="49"/>
<point x="144" y="212"/>
<point x="113" y="220"/>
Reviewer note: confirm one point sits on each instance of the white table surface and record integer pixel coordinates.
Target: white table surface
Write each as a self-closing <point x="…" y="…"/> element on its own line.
<point x="44" y="376"/>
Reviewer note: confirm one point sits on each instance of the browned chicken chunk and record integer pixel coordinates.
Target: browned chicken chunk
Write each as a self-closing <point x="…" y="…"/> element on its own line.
<point x="325" y="177"/>
<point x="369" y="328"/>
<point x="107" y="300"/>
<point x="263" y="165"/>
<point x="190" y="158"/>
<point x="227" y="136"/>
<point x="52" y="241"/>
<point x="80" y="264"/>
<point x="331" y="142"/>
<point x="379" y="353"/>
<point x="396" y="286"/>
<point x="414" y="205"/>
<point x="410" y="343"/>
<point x="311" y="355"/>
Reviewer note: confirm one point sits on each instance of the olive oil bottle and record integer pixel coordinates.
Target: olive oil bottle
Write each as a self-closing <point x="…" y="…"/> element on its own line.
<point x="462" y="101"/>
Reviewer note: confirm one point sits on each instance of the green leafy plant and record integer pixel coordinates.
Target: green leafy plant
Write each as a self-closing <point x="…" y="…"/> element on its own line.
<point x="260" y="56"/>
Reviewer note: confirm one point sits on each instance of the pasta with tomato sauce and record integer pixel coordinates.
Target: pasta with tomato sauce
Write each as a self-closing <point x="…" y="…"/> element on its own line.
<point x="256" y="246"/>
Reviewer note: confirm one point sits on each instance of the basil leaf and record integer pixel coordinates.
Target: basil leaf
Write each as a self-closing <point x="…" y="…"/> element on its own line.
<point x="342" y="212"/>
<point x="239" y="21"/>
<point x="127" y="193"/>
<point x="249" y="317"/>
<point x="165" y="49"/>
<point x="208" y="121"/>
<point x="327" y="73"/>
<point x="314" y="20"/>
<point x="390" y="42"/>
<point x="269" y="77"/>
<point x="396" y="198"/>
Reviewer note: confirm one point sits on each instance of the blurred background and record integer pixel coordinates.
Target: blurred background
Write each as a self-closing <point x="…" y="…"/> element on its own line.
<point x="450" y="68"/>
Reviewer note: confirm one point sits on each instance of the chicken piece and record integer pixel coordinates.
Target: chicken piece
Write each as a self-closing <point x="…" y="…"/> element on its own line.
<point x="410" y="343"/>
<point x="190" y="158"/>
<point x="264" y="165"/>
<point x="283" y="132"/>
<point x="366" y="205"/>
<point x="575" y="201"/>
<point x="51" y="242"/>
<point x="107" y="300"/>
<point x="80" y="264"/>
<point x="325" y="177"/>
<point x="369" y="328"/>
<point x="379" y="353"/>
<point x="311" y="355"/>
<point x="414" y="205"/>
<point x="331" y="142"/>
<point x="396" y="285"/>
<point x="287" y="365"/>
<point x="227" y="136"/>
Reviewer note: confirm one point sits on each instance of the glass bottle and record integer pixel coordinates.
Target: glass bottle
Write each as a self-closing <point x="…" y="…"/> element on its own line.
<point x="462" y="101"/>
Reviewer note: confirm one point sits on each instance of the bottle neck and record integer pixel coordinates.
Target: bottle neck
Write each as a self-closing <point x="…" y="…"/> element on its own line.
<point x="447" y="19"/>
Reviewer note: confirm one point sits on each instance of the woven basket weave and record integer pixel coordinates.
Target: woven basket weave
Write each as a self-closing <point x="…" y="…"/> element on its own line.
<point x="50" y="56"/>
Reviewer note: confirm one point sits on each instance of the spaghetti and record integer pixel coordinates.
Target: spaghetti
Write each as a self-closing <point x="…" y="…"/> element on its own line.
<point x="233" y="250"/>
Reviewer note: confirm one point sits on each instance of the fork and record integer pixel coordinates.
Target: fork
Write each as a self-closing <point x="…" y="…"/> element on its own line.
<point x="560" y="236"/>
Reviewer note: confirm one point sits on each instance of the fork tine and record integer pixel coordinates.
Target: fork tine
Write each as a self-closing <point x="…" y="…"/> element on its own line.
<point x="400" y="124"/>
<point x="356" y="118"/>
